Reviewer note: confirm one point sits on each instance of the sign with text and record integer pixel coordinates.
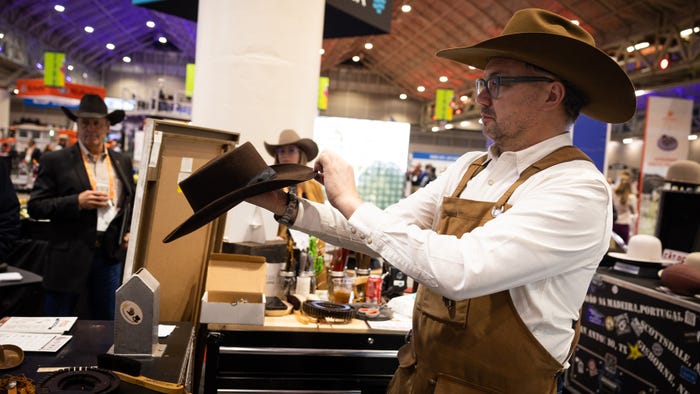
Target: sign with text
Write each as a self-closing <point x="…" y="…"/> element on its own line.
<point x="634" y="342"/>
<point x="668" y="124"/>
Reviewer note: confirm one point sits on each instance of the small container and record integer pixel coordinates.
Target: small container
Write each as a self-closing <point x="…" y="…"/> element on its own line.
<point x="361" y="275"/>
<point x="288" y="284"/>
<point x="373" y="294"/>
<point x="342" y="290"/>
<point x="303" y="285"/>
<point x="331" y="282"/>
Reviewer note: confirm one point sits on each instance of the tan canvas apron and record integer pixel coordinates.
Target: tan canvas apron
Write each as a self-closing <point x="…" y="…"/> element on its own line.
<point x="478" y="345"/>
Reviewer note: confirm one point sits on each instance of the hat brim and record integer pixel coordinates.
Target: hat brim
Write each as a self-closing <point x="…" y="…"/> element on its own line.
<point x="608" y="89"/>
<point x="287" y="175"/>
<point x="307" y="145"/>
<point x="113" y="117"/>
<point x="625" y="257"/>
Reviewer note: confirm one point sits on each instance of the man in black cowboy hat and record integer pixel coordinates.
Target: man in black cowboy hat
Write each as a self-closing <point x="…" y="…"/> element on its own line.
<point x="86" y="192"/>
<point x="504" y="243"/>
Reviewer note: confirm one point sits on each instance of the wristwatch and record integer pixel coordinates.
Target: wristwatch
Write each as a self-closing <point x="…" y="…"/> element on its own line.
<point x="290" y="213"/>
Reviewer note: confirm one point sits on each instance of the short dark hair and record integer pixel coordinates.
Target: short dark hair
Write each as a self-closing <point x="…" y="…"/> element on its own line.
<point x="574" y="99"/>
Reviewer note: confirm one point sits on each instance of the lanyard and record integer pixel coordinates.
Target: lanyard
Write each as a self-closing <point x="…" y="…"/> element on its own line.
<point x="91" y="176"/>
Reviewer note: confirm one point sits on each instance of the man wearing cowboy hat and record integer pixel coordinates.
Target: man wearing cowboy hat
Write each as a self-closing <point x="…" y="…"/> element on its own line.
<point x="86" y="192"/>
<point x="503" y="243"/>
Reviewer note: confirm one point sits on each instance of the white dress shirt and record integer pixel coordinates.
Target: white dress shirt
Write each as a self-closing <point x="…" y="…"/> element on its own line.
<point x="544" y="249"/>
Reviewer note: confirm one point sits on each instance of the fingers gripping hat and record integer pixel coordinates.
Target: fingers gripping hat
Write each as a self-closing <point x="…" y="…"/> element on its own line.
<point x="290" y="137"/>
<point x="553" y="43"/>
<point x="227" y="180"/>
<point x="92" y="106"/>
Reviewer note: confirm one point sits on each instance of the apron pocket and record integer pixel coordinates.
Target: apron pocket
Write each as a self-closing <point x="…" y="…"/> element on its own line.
<point x="441" y="308"/>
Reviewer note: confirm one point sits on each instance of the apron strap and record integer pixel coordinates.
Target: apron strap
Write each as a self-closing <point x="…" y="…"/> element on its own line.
<point x="474" y="168"/>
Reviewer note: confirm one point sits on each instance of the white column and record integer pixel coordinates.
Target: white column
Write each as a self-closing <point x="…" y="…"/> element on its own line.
<point x="257" y="70"/>
<point x="4" y="112"/>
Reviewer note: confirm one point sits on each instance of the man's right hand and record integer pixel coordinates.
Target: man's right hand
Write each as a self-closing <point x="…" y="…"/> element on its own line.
<point x="91" y="199"/>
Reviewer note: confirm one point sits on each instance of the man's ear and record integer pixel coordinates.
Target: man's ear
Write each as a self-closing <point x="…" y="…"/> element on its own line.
<point x="556" y="95"/>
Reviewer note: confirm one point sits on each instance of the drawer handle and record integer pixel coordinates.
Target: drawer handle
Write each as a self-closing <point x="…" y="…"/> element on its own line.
<point x="292" y="351"/>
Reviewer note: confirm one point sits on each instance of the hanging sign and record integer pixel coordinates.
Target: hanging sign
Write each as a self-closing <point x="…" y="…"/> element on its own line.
<point x="189" y="80"/>
<point x="665" y="141"/>
<point x="443" y="98"/>
<point x="54" y="73"/>
<point x="323" y="83"/>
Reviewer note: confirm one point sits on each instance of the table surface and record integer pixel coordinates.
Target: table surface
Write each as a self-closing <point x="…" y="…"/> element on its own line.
<point x="92" y="338"/>
<point x="292" y="322"/>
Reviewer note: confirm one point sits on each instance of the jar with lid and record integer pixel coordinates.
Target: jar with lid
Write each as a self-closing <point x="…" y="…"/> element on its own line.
<point x="334" y="275"/>
<point x="361" y="275"/>
<point x="289" y="284"/>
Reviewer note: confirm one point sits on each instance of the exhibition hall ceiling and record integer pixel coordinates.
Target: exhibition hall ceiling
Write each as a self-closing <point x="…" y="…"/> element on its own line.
<point x="404" y="58"/>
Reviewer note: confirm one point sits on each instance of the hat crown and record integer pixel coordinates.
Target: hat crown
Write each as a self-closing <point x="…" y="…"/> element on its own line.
<point x="533" y="20"/>
<point x="684" y="171"/>
<point x="225" y="174"/>
<point x="92" y="104"/>
<point x="644" y="247"/>
<point x="288" y="137"/>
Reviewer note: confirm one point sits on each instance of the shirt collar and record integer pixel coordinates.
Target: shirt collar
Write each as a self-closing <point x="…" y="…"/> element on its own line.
<point x="526" y="157"/>
<point x="88" y="154"/>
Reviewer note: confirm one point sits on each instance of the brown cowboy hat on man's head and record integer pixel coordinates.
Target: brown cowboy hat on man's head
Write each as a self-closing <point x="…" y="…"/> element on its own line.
<point x="557" y="45"/>
<point x="92" y="106"/>
<point x="290" y="137"/>
<point x="230" y="178"/>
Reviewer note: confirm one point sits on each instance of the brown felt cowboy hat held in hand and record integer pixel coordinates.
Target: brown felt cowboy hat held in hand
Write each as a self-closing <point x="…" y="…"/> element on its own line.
<point x="290" y="137"/>
<point x="92" y="106"/>
<point x="230" y="178"/>
<point x="565" y="49"/>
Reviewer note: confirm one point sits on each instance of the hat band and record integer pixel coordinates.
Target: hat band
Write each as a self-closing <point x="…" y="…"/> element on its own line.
<point x="265" y="175"/>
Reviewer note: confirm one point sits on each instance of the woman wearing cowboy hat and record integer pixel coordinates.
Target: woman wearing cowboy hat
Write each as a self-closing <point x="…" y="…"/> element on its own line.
<point x="292" y="149"/>
<point x="504" y="243"/>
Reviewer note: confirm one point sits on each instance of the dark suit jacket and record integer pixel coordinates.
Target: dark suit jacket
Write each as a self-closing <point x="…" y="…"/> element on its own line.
<point x="62" y="177"/>
<point x="9" y="211"/>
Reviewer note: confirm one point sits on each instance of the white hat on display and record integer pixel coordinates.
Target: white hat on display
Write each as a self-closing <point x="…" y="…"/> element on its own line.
<point x="643" y="248"/>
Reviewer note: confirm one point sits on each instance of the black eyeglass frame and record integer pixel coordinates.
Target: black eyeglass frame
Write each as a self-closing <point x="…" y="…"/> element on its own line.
<point x="496" y="81"/>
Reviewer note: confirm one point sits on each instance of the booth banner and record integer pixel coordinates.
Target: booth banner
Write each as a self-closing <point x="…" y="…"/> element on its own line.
<point x="668" y="123"/>
<point x="35" y="88"/>
<point x="54" y="73"/>
<point x="443" y="109"/>
<point x="323" y="83"/>
<point x="634" y="342"/>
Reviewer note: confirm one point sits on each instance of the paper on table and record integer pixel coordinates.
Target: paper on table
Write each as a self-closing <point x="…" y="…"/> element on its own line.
<point x="31" y="342"/>
<point x="56" y="325"/>
<point x="10" y="276"/>
<point x="397" y="323"/>
<point x="165" y="329"/>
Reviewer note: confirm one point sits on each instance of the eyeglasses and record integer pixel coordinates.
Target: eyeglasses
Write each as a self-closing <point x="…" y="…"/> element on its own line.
<point x="493" y="84"/>
<point x="289" y="150"/>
